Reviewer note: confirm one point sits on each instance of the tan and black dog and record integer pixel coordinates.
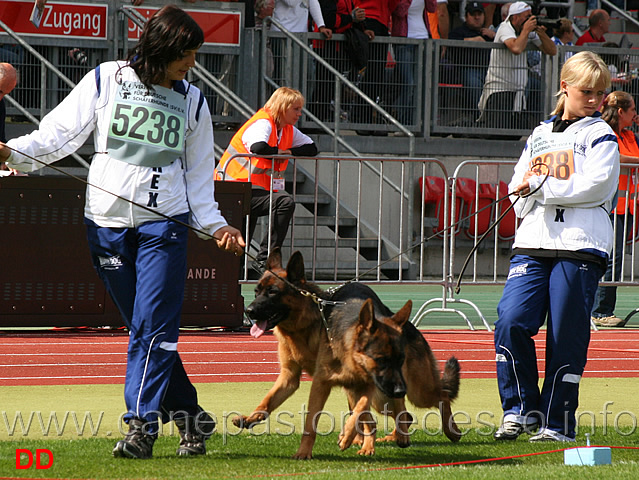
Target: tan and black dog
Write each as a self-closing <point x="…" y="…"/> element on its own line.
<point x="355" y="342"/>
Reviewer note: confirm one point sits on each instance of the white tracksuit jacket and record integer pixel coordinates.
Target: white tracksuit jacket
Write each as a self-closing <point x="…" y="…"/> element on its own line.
<point x="186" y="185"/>
<point x="570" y="213"/>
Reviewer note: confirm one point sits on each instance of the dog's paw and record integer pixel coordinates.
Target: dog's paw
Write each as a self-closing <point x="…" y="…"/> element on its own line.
<point x="240" y="422"/>
<point x="366" y="451"/>
<point x="387" y="439"/>
<point x="344" y="443"/>
<point x="303" y="455"/>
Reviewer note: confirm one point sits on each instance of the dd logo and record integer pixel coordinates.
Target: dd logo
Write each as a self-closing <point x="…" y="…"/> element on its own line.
<point x="38" y="458"/>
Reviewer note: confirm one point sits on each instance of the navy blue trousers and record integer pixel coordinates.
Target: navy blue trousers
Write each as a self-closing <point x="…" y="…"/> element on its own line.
<point x="560" y="291"/>
<point x="144" y="270"/>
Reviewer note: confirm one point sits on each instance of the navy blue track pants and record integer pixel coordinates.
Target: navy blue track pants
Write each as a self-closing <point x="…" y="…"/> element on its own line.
<point x="144" y="270"/>
<point x="560" y="290"/>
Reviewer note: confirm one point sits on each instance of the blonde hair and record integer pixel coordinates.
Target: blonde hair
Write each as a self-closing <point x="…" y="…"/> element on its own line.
<point x="584" y="69"/>
<point x="281" y="100"/>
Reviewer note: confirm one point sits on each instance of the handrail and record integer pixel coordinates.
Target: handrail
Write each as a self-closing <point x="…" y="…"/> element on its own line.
<point x="621" y="12"/>
<point x="50" y="67"/>
<point x="341" y="78"/>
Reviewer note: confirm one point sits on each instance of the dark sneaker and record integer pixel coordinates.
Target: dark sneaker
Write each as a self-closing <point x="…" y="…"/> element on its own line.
<point x="137" y="443"/>
<point x="194" y="431"/>
<point x="510" y="430"/>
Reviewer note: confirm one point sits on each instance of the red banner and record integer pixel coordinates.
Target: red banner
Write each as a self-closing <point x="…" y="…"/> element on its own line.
<point x="78" y="20"/>
<point x="220" y="27"/>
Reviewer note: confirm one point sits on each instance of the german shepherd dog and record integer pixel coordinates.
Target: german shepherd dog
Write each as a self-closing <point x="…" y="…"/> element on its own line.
<point x="354" y="341"/>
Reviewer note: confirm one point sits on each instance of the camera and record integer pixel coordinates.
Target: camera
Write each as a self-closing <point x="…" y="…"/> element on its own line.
<point x="550" y="24"/>
<point x="78" y="56"/>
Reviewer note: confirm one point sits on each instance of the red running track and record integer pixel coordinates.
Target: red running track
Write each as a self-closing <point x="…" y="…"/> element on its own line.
<point x="100" y="358"/>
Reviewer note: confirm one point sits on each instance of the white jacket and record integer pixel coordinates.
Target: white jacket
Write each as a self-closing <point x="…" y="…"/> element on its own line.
<point x="572" y="213"/>
<point x="293" y="14"/>
<point x="185" y="186"/>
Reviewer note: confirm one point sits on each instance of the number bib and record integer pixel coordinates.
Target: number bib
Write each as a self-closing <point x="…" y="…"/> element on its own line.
<point x="556" y="151"/>
<point x="147" y="127"/>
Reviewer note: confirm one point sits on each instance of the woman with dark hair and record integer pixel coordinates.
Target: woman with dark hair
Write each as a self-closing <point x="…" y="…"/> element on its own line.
<point x="149" y="179"/>
<point x="620" y="112"/>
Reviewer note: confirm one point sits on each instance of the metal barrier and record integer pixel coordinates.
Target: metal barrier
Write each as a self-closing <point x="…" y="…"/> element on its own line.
<point x="475" y="188"/>
<point x="358" y="219"/>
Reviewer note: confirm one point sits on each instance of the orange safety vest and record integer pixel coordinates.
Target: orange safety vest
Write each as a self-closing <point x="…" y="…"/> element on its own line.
<point x="627" y="146"/>
<point x="259" y="170"/>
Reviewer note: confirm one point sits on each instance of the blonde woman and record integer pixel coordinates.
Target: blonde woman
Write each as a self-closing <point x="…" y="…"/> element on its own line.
<point x="271" y="131"/>
<point x="560" y="252"/>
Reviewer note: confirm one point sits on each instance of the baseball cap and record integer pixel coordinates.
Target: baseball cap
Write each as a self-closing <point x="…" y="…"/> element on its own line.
<point x="472" y="7"/>
<point x="518" y="7"/>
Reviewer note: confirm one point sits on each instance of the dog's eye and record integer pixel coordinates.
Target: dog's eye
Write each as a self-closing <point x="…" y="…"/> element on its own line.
<point x="273" y="291"/>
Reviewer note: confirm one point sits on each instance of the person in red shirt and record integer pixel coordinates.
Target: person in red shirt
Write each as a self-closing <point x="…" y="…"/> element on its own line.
<point x="599" y="23"/>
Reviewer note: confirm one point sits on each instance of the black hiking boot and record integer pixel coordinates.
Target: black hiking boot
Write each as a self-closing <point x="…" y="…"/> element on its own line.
<point x="137" y="443"/>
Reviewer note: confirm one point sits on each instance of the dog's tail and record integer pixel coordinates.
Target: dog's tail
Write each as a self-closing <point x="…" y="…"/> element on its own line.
<point x="450" y="378"/>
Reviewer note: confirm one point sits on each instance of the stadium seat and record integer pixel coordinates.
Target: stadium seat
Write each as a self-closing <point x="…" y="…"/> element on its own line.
<point x="475" y="199"/>
<point x="508" y="226"/>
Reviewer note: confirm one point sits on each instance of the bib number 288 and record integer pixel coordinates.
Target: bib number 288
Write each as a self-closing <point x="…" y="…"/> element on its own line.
<point x="147" y="125"/>
<point x="558" y="164"/>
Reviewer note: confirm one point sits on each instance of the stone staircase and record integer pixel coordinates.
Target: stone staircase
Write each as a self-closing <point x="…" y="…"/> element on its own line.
<point x="336" y="256"/>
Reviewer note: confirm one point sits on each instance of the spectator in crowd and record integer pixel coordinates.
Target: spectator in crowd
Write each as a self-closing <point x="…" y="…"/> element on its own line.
<point x="140" y="253"/>
<point x="439" y="21"/>
<point x="409" y="20"/>
<point x="620" y="112"/>
<point x="8" y="81"/>
<point x="471" y="62"/>
<point x="293" y="15"/>
<point x="271" y="131"/>
<point x="503" y="97"/>
<point x="377" y="23"/>
<point x="564" y="35"/>
<point x="599" y="24"/>
<point x="560" y="252"/>
<point x="339" y="16"/>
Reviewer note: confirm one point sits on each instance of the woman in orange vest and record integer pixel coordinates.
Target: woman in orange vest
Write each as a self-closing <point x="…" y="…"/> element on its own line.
<point x="270" y="131"/>
<point x="619" y="112"/>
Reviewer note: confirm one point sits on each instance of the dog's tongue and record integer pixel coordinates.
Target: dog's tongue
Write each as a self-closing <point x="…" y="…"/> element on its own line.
<point x="258" y="328"/>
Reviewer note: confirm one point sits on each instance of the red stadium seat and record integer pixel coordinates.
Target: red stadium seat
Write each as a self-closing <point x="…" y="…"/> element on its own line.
<point x="475" y="199"/>
<point x="507" y="227"/>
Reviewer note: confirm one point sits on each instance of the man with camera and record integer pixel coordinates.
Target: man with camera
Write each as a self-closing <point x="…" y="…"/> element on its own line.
<point x="503" y="98"/>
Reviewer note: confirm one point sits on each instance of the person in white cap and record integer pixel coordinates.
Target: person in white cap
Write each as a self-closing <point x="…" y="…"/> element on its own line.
<point x="503" y="98"/>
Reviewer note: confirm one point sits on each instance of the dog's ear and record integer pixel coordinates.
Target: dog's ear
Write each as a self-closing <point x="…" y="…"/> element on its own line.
<point x="401" y="317"/>
<point x="367" y="317"/>
<point x="274" y="260"/>
<point x="295" y="268"/>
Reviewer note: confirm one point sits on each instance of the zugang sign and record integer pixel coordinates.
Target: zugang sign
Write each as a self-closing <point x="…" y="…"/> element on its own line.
<point x="220" y="27"/>
<point x="78" y="20"/>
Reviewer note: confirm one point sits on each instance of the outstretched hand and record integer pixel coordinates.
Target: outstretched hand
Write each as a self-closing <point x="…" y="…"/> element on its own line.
<point x="230" y="239"/>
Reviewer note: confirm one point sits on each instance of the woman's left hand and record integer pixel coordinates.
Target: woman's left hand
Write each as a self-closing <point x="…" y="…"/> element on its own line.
<point x="230" y="239"/>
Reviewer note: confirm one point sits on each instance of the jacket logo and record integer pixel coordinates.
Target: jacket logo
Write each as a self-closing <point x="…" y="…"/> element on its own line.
<point x="110" y="263"/>
<point x="518" y="270"/>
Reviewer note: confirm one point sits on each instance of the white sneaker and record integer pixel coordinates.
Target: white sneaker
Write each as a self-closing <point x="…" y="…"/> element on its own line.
<point x="610" y="321"/>
<point x="547" y="435"/>
<point x="510" y="430"/>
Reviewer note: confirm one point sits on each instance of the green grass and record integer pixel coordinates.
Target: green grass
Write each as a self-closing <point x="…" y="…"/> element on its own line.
<point x="267" y="452"/>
